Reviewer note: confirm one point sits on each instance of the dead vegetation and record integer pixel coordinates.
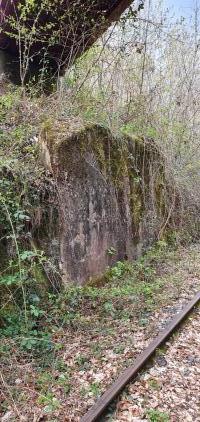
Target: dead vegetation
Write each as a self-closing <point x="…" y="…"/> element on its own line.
<point x="91" y="335"/>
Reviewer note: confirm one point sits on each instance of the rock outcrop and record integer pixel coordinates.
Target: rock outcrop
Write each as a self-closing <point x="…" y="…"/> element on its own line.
<point x="111" y="199"/>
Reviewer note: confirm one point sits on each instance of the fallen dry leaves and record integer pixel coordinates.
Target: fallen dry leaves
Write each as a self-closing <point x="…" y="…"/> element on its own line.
<point x="172" y="384"/>
<point x="93" y="355"/>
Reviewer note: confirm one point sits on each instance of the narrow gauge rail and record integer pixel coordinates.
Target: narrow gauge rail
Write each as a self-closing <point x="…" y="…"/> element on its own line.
<point x="130" y="373"/>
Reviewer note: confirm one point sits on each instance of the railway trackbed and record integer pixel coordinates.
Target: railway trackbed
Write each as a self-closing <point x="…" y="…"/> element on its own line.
<point x="96" y="411"/>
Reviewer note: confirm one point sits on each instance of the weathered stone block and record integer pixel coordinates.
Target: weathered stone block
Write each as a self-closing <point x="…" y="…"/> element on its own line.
<point x="111" y="198"/>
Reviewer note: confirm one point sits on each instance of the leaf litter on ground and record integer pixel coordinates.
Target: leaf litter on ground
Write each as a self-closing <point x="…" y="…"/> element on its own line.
<point x="96" y="333"/>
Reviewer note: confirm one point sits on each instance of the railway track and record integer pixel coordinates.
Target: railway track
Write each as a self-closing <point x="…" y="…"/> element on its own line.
<point x="96" y="411"/>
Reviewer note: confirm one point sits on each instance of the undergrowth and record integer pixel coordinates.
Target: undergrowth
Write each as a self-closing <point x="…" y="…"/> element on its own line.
<point x="126" y="283"/>
<point x="81" y="330"/>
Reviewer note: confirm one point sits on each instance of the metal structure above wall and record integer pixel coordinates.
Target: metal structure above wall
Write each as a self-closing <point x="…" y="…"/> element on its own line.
<point x="57" y="31"/>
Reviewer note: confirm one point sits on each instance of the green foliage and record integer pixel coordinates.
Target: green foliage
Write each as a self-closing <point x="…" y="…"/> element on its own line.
<point x="119" y="269"/>
<point x="37" y="342"/>
<point x="49" y="402"/>
<point x="7" y="102"/>
<point x="154" y="384"/>
<point x="111" y="251"/>
<point x="27" y="334"/>
<point x="82" y="361"/>
<point x="16" y="157"/>
<point x="9" y="280"/>
<point x="22" y="277"/>
<point x="131" y="128"/>
<point x="109" y="308"/>
<point x="94" y="389"/>
<point x="127" y="281"/>
<point x="46" y="381"/>
<point x="157" y="416"/>
<point x="35" y="311"/>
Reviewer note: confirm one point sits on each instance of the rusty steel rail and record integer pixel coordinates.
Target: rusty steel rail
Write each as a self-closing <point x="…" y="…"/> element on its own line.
<point x="96" y="411"/>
